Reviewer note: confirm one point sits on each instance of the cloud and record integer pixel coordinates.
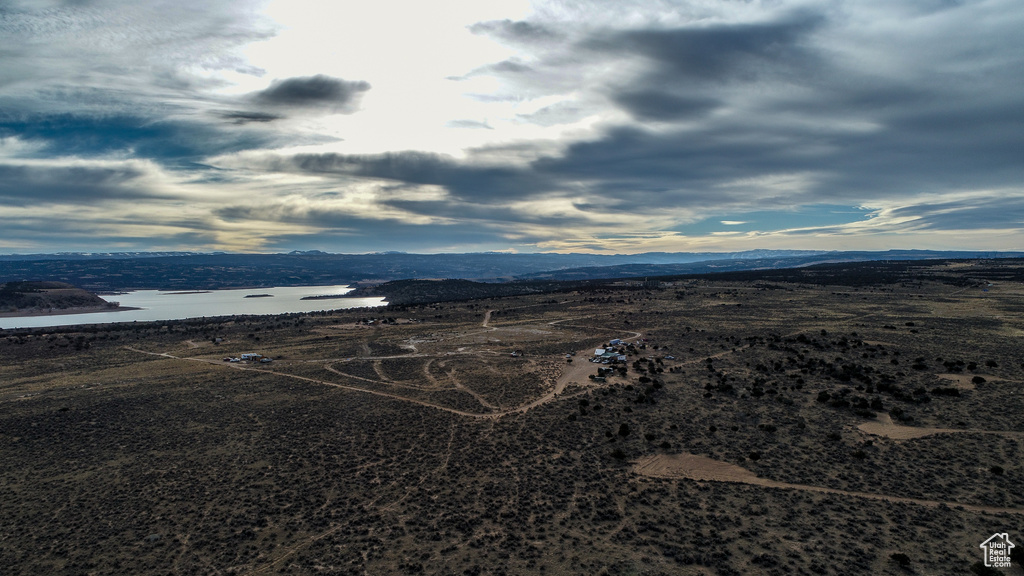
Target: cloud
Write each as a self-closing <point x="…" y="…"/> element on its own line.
<point x="657" y="105"/>
<point x="516" y="31"/>
<point x="465" y="181"/>
<point x="24" y="185"/>
<point x="583" y="125"/>
<point x="734" y="51"/>
<point x="555" y="114"/>
<point x="168" y="140"/>
<point x="313" y="91"/>
<point x="1003" y="210"/>
<point x="246" y="117"/>
<point x="119" y="46"/>
<point x="473" y="124"/>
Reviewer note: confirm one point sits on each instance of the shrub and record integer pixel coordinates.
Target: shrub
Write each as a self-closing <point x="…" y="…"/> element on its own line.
<point x="980" y="569"/>
<point x="900" y="558"/>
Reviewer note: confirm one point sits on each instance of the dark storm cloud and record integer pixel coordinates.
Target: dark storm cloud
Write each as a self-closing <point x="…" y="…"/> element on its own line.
<point x="934" y="148"/>
<point x="465" y="181"/>
<point x="313" y="91"/>
<point x="34" y="185"/>
<point x="247" y="117"/>
<point x="658" y="105"/>
<point x="702" y="168"/>
<point x="669" y="168"/>
<point x="169" y="141"/>
<point x="673" y="73"/>
<point x="717" y="52"/>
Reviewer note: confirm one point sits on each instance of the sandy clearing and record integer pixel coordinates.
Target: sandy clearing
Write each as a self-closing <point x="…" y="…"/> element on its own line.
<point x="576" y="372"/>
<point x="703" y="469"/>
<point x="696" y="467"/>
<point x="963" y="381"/>
<point x="884" y="426"/>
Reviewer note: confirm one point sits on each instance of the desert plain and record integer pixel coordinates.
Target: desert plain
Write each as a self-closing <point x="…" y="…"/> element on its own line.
<point x="755" y="426"/>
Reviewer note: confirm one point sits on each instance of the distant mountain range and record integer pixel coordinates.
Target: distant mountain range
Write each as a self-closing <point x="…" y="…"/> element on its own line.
<point x="97" y="255"/>
<point x="187" y="270"/>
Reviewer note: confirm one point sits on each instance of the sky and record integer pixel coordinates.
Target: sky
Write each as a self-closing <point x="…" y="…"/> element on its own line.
<point x="604" y="126"/>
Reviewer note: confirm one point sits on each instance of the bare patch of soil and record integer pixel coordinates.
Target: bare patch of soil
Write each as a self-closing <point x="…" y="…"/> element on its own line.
<point x="696" y="467"/>
<point x="884" y="426"/>
<point x="964" y="381"/>
<point x="704" y="469"/>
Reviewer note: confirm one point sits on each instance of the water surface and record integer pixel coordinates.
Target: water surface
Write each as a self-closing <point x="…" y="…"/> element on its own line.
<point x="157" y="305"/>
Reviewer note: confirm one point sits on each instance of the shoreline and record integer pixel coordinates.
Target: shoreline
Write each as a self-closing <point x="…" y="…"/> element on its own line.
<point x="66" y="311"/>
<point x="327" y="297"/>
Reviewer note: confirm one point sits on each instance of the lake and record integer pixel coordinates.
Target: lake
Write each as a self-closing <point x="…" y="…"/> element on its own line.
<point x="155" y="305"/>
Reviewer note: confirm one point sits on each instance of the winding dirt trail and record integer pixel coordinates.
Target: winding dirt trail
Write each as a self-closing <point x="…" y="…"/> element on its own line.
<point x="704" y="469"/>
<point x="236" y="366"/>
<point x="575" y="373"/>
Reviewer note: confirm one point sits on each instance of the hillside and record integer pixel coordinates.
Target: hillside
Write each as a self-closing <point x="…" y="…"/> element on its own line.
<point x="101" y="273"/>
<point x="976" y="272"/>
<point x="45" y="297"/>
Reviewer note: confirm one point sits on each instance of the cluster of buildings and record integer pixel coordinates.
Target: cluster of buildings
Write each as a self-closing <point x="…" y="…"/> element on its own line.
<point x="250" y="357"/>
<point x="614" y="351"/>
